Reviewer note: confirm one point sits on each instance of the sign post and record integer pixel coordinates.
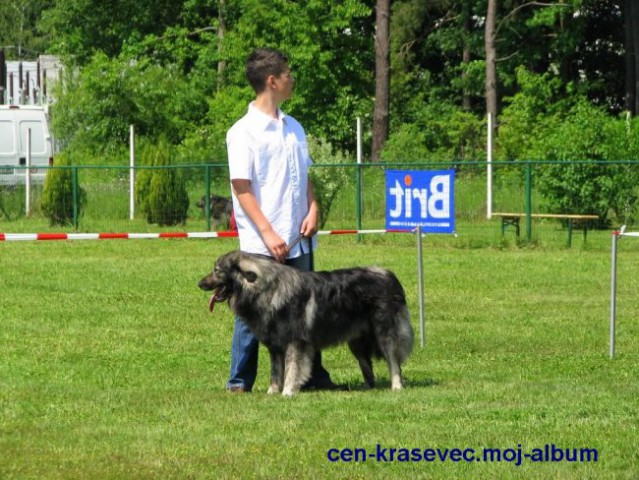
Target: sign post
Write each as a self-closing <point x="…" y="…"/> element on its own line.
<point x="423" y="202"/>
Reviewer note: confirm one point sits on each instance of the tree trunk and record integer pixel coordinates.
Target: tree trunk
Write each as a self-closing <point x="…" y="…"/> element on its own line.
<point x="491" y="68"/>
<point x="221" y="31"/>
<point x="466" y="12"/>
<point x="629" y="56"/>
<point x="634" y="19"/>
<point x="382" y="78"/>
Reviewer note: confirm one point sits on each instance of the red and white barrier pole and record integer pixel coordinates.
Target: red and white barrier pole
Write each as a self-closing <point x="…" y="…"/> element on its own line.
<point x="8" y="237"/>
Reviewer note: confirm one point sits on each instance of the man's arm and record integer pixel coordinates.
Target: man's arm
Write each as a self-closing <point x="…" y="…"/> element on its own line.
<point x="244" y="194"/>
<point x="310" y="223"/>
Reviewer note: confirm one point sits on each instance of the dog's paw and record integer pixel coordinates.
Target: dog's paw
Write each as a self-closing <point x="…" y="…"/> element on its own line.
<point x="273" y="389"/>
<point x="396" y="382"/>
<point x="288" y="392"/>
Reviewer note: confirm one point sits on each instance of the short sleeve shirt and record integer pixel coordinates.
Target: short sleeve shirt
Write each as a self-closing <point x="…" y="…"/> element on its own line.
<point x="273" y="155"/>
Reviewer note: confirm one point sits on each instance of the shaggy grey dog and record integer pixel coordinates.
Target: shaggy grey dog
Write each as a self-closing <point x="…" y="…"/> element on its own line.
<point x="295" y="313"/>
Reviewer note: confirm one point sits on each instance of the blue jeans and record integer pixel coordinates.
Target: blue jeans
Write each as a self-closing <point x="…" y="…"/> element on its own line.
<point x="245" y="346"/>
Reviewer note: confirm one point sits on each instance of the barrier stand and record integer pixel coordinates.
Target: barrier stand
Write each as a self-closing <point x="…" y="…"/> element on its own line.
<point x="613" y="293"/>
<point x="420" y="283"/>
<point x="613" y="284"/>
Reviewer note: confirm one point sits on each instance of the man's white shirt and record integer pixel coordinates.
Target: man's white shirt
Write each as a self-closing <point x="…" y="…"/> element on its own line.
<point x="273" y="155"/>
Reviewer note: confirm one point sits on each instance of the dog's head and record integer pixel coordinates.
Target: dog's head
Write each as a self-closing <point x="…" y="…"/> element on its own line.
<point x="236" y="272"/>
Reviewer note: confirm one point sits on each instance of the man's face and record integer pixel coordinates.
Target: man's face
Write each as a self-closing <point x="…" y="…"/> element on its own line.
<point x="283" y="85"/>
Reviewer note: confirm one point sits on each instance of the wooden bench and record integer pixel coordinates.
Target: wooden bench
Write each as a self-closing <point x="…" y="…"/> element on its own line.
<point x="583" y="222"/>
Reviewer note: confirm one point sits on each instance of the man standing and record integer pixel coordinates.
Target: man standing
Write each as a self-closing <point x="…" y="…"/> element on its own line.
<point x="273" y="198"/>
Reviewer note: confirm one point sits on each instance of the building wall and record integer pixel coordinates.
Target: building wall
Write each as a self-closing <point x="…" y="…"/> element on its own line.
<point x="39" y="88"/>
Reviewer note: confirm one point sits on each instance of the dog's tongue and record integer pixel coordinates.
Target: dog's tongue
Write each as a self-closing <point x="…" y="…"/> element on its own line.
<point x="212" y="302"/>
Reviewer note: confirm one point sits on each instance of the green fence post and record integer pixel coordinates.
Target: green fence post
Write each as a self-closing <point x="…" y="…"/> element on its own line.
<point x="207" y="198"/>
<point x="74" y="172"/>
<point x="528" y="201"/>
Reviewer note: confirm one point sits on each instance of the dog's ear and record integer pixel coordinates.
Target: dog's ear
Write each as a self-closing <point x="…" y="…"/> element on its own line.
<point x="248" y="269"/>
<point x="249" y="276"/>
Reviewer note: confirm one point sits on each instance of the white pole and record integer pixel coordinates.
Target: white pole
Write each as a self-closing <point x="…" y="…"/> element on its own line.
<point x="358" y="198"/>
<point x="489" y="169"/>
<point x="27" y="176"/>
<point x="613" y="294"/>
<point x="132" y="173"/>
<point x="420" y="283"/>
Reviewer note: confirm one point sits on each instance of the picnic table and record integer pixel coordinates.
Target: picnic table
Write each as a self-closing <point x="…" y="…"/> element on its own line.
<point x="578" y="221"/>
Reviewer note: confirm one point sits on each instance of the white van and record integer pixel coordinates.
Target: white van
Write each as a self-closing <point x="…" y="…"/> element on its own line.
<point x="15" y="122"/>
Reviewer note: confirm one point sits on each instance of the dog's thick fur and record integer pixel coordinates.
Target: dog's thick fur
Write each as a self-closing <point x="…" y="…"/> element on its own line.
<point x="295" y="313"/>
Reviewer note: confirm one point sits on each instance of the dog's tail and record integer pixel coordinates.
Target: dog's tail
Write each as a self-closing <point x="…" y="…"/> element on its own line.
<point x="405" y="334"/>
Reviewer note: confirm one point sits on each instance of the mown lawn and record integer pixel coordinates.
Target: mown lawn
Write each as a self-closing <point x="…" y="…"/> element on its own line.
<point x="112" y="367"/>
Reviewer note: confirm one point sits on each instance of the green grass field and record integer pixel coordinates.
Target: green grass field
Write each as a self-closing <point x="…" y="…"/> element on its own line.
<point x="112" y="367"/>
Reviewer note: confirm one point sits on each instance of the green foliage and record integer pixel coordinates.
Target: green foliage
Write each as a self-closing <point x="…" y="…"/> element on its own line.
<point x="440" y="133"/>
<point x="98" y="105"/>
<point x="327" y="180"/>
<point x="171" y="70"/>
<point x="582" y="138"/>
<point x="592" y="186"/>
<point x="330" y="45"/>
<point x="57" y="201"/>
<point x="223" y="111"/>
<point x="82" y="27"/>
<point x="527" y="115"/>
<point x="19" y="35"/>
<point x="145" y="158"/>
<point x="161" y="192"/>
<point x="406" y="144"/>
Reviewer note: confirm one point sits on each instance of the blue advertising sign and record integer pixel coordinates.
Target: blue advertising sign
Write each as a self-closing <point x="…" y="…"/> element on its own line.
<point x="424" y="198"/>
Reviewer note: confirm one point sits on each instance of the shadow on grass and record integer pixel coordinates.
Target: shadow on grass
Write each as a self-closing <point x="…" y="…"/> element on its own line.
<point x="385" y="384"/>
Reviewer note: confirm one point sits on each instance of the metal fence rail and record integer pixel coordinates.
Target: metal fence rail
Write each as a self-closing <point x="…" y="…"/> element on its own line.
<point x="359" y="203"/>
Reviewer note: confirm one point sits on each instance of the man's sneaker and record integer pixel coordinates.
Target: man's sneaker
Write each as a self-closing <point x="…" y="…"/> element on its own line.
<point x="236" y="390"/>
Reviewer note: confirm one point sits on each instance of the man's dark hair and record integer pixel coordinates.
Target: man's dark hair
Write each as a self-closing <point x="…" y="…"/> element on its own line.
<point x="263" y="62"/>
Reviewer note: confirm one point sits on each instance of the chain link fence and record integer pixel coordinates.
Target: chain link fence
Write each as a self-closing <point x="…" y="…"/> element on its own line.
<point x="358" y="200"/>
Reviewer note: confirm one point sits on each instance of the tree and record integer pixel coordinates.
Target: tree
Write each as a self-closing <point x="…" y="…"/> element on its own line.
<point x="177" y="67"/>
<point x="491" y="66"/>
<point x="221" y="31"/>
<point x="330" y="45"/>
<point x="20" y="36"/>
<point x="631" y="55"/>
<point x="578" y="139"/>
<point x="330" y="177"/>
<point x="382" y="77"/>
<point x="58" y="202"/>
<point x="466" y="53"/>
<point x="161" y="191"/>
<point x="83" y="27"/>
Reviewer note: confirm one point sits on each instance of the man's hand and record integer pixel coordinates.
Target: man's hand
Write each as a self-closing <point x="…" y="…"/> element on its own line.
<point x="310" y="223"/>
<point x="275" y="245"/>
<point x="273" y="242"/>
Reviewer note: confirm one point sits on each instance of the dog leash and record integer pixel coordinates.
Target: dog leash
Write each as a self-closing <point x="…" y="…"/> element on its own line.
<point x="310" y="248"/>
<point x="296" y="241"/>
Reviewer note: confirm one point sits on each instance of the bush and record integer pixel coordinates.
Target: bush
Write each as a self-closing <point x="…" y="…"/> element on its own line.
<point x="327" y="180"/>
<point x="443" y="135"/>
<point x="161" y="192"/>
<point x="587" y="143"/>
<point x="57" y="197"/>
<point x="407" y="144"/>
<point x="584" y="144"/>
